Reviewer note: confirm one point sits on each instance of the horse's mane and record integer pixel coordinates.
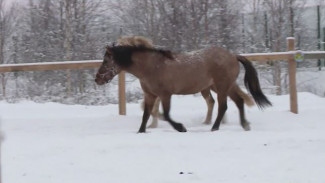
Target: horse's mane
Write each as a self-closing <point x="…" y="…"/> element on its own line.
<point x="135" y="41"/>
<point x="123" y="54"/>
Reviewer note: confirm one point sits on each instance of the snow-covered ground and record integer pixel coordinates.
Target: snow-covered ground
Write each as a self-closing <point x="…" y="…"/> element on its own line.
<point x="55" y="143"/>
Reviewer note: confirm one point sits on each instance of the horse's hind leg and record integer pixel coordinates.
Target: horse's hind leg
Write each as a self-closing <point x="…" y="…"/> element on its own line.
<point x="149" y="101"/>
<point x="155" y="114"/>
<point x="239" y="101"/>
<point x="165" y="100"/>
<point x="222" y="102"/>
<point x="210" y="104"/>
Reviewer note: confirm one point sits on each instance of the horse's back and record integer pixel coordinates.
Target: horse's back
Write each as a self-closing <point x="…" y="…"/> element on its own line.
<point x="223" y="66"/>
<point x="216" y="60"/>
<point x="221" y="56"/>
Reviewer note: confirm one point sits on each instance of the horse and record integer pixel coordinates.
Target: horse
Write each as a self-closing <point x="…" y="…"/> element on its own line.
<point x="163" y="73"/>
<point x="145" y="42"/>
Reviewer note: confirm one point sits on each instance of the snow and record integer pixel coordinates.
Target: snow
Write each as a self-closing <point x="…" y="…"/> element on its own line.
<point x="57" y="143"/>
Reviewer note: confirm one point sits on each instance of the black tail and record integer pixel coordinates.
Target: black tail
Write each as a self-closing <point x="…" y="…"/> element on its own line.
<point x="252" y="83"/>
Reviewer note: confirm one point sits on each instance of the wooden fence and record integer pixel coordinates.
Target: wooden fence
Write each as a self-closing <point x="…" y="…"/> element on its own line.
<point x="259" y="57"/>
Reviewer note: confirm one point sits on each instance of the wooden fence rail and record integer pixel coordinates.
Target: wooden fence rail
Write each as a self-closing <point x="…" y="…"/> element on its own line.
<point x="259" y="57"/>
<point x="262" y="57"/>
<point x="43" y="66"/>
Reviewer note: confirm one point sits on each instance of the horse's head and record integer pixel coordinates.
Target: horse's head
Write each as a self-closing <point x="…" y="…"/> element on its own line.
<point x="108" y="70"/>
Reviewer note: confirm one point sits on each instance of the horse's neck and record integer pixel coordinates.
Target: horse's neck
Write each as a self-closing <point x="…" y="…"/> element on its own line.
<point x="143" y="67"/>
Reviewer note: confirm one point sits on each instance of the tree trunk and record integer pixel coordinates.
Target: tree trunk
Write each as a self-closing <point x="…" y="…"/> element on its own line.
<point x="15" y="60"/>
<point x="277" y="77"/>
<point x="291" y="19"/>
<point x="2" y="40"/>
<point x="83" y="32"/>
<point x="68" y="39"/>
<point x="3" y="81"/>
<point x="206" y="25"/>
<point x="266" y="31"/>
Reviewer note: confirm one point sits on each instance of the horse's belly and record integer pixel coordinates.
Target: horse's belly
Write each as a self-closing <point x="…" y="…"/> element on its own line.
<point x="191" y="87"/>
<point x="186" y="79"/>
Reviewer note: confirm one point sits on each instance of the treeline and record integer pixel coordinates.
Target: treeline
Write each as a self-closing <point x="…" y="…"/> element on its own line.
<point x="58" y="30"/>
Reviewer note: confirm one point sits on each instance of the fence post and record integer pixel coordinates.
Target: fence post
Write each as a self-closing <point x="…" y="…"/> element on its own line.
<point x="121" y="93"/>
<point x="292" y="76"/>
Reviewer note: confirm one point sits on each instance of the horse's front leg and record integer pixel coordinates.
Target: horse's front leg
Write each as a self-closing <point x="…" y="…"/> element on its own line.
<point x="149" y="101"/>
<point x="165" y="100"/>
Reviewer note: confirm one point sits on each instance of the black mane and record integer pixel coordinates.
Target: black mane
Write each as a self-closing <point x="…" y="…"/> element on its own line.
<point x="122" y="55"/>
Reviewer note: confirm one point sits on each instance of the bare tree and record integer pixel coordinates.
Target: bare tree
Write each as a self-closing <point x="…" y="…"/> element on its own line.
<point x="68" y="41"/>
<point x="282" y="14"/>
<point x="6" y="25"/>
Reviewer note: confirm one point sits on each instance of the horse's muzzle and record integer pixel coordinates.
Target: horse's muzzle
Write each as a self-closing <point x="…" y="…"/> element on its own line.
<point x="99" y="81"/>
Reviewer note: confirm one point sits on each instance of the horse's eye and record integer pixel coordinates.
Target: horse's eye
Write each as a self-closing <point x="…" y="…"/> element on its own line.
<point x="106" y="59"/>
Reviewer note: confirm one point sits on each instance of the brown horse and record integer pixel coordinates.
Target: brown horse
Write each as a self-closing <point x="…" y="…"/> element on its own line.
<point x="163" y="73"/>
<point x="145" y="42"/>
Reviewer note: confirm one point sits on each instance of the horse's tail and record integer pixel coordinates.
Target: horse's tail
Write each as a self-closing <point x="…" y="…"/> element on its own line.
<point x="252" y="83"/>
<point x="248" y="100"/>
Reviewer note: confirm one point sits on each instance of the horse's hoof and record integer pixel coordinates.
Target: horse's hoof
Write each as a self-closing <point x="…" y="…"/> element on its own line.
<point x="142" y="131"/>
<point x="153" y="126"/>
<point x="207" y="122"/>
<point x="214" y="129"/>
<point x="246" y="126"/>
<point x="180" y="128"/>
<point x="183" y="129"/>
